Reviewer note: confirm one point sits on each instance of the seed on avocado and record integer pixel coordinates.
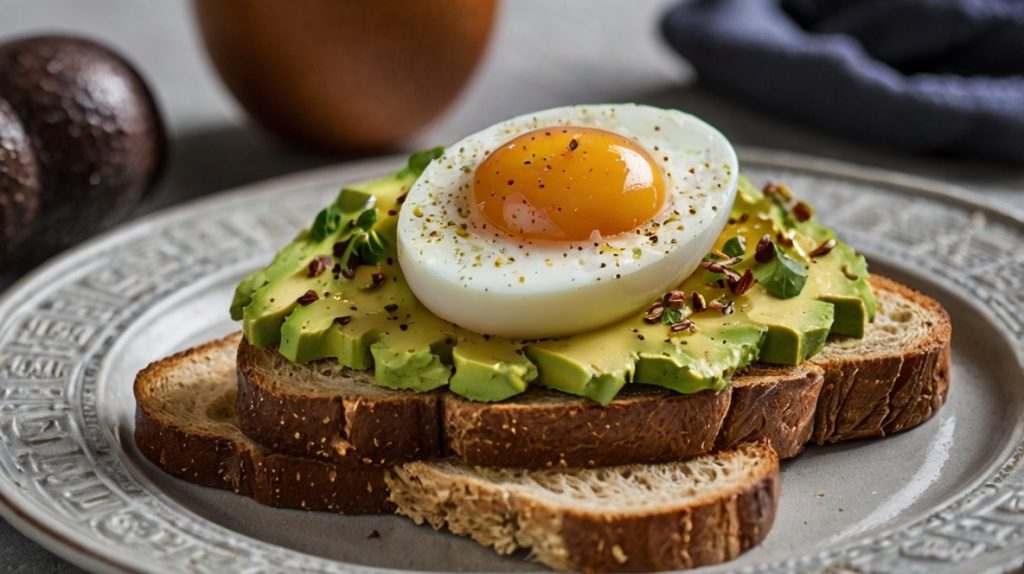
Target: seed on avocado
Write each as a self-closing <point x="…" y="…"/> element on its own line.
<point x="307" y="298"/>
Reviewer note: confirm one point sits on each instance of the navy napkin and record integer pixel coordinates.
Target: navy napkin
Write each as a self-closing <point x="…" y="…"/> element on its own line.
<point x="942" y="76"/>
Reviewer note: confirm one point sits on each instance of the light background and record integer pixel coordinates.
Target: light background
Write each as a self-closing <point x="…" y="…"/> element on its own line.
<point x="543" y="54"/>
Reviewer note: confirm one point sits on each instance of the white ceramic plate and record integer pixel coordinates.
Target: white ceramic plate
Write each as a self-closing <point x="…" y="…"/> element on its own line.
<point x="947" y="496"/>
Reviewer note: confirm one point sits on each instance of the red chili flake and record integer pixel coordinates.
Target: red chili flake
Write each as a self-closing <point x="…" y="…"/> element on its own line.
<point x="765" y="250"/>
<point x="802" y="211"/>
<point x="391" y="307"/>
<point x="376" y="280"/>
<point x="675" y="299"/>
<point x="573" y="144"/>
<point x="343" y="320"/>
<point x="318" y="265"/>
<point x="403" y="327"/>
<point x="307" y="298"/>
<point x="825" y="248"/>
<point x="744" y="284"/>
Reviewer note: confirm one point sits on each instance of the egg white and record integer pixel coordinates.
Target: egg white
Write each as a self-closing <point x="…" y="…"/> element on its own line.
<point x="486" y="281"/>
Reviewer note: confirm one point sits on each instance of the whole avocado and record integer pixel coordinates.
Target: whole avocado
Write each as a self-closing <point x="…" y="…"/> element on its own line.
<point x="20" y="189"/>
<point x="96" y="131"/>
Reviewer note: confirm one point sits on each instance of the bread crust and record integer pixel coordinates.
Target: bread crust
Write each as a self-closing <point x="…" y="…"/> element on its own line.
<point x="337" y="426"/>
<point x="709" y="528"/>
<point x="546" y="430"/>
<point x="884" y="393"/>
<point x="225" y="458"/>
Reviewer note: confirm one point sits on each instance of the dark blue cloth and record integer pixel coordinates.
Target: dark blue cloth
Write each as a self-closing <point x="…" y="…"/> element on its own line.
<point x="942" y="76"/>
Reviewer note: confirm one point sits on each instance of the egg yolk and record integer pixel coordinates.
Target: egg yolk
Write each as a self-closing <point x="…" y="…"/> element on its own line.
<point x="565" y="183"/>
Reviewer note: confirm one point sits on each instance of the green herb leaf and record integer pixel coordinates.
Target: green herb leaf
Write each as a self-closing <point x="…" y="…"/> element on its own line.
<point x="371" y="247"/>
<point x="780" y="213"/>
<point x="367" y="219"/>
<point x="783" y="276"/>
<point x="671" y="316"/>
<point x="327" y="222"/>
<point x="419" y="161"/>
<point x="735" y="247"/>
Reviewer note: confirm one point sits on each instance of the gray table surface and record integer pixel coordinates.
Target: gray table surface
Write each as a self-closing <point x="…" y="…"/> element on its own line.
<point x="543" y="54"/>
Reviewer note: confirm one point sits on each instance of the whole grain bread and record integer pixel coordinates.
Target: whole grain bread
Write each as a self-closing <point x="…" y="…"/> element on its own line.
<point x="185" y="424"/>
<point x="627" y="518"/>
<point x="890" y="380"/>
<point x="635" y="518"/>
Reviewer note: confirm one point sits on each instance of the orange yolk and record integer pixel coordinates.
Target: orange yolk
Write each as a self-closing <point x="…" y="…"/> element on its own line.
<point x="565" y="183"/>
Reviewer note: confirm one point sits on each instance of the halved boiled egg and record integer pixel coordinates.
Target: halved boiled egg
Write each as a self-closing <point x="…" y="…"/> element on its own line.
<point x="565" y="220"/>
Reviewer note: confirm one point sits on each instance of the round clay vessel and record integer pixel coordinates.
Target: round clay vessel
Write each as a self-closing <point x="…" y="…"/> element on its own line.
<point x="345" y="74"/>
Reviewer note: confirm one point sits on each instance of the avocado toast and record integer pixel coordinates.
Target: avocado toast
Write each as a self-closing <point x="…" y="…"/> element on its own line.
<point x="732" y="329"/>
<point x="186" y="423"/>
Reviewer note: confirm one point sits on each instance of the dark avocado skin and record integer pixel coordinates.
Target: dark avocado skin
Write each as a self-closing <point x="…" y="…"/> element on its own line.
<point x="96" y="131"/>
<point x="20" y="189"/>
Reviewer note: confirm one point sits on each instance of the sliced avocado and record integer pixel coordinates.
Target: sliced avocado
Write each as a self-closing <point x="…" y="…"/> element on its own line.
<point x="797" y="329"/>
<point x="836" y="297"/>
<point x="489" y="369"/>
<point x="344" y="323"/>
<point x="266" y="298"/>
<point x="689" y="364"/>
<point x="414" y="355"/>
<point x="593" y="365"/>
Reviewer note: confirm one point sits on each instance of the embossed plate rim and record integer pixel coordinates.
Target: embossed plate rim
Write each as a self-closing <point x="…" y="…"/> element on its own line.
<point x="72" y="546"/>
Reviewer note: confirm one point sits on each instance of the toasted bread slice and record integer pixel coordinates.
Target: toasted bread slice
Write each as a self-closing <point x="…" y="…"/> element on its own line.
<point x="629" y="518"/>
<point x="185" y="423"/>
<point x="635" y="518"/>
<point x="892" y="379"/>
